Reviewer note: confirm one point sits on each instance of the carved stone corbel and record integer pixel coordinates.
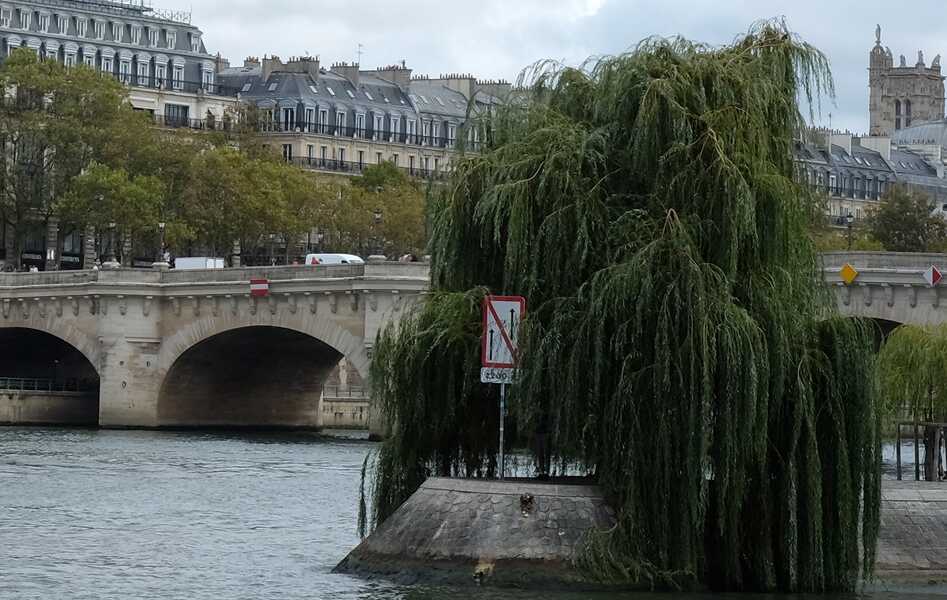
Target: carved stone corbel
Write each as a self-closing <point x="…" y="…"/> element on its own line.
<point x="333" y="303"/>
<point x="75" y="306"/>
<point x="104" y="305"/>
<point x="6" y="309"/>
<point x="41" y="304"/>
<point x="313" y="302"/>
<point x="195" y="305"/>
<point x="396" y="303"/>
<point x="846" y="294"/>
<point x="25" y="308"/>
<point x="353" y="299"/>
<point x="889" y="294"/>
<point x="146" y="305"/>
<point x="912" y="295"/>
<point x="122" y="305"/>
<point x="233" y="305"/>
<point x="372" y="301"/>
<point x="252" y="302"/>
<point x="866" y="293"/>
<point x="214" y="305"/>
<point x="93" y="304"/>
<point x="271" y="301"/>
<point x="176" y="306"/>
<point x="59" y="307"/>
<point x="291" y="303"/>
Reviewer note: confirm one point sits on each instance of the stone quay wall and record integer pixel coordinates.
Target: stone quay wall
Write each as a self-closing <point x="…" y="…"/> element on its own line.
<point x="48" y="408"/>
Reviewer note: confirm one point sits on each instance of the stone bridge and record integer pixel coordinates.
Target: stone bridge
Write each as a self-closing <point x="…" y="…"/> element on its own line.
<point x="889" y="287"/>
<point x="194" y="348"/>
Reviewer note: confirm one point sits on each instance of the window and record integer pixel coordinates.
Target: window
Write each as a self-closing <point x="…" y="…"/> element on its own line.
<point x="361" y="158"/>
<point x="411" y="162"/>
<point x="70" y="59"/>
<point x="107" y="65"/>
<point x="427" y="163"/>
<point x="379" y="127"/>
<point x="82" y="27"/>
<point x="153" y="35"/>
<point x="161" y="74"/>
<point x="195" y="42"/>
<point x="246" y="87"/>
<point x="394" y="159"/>
<point x="178" y="77"/>
<point x="435" y="164"/>
<point x="26" y="18"/>
<point x="331" y="92"/>
<point x="136" y="35"/>
<point x="44" y="22"/>
<point x="62" y="24"/>
<point x="88" y="58"/>
<point x="52" y="52"/>
<point x="125" y="71"/>
<point x="425" y="132"/>
<point x="5" y="16"/>
<point x="323" y="120"/>
<point x="339" y="122"/>
<point x="313" y="89"/>
<point x="351" y="95"/>
<point x="310" y="152"/>
<point x="378" y="158"/>
<point x="436" y="133"/>
<point x="369" y="96"/>
<point x="451" y="134"/>
<point x="143" y="73"/>
<point x="359" y="125"/>
<point x="395" y="125"/>
<point x="176" y="115"/>
<point x="907" y="113"/>
<point x="172" y="38"/>
<point x="412" y="131"/>
<point x="310" y="118"/>
<point x="289" y="119"/>
<point x="833" y="183"/>
<point x="207" y="79"/>
<point x="99" y="27"/>
<point x="323" y="153"/>
<point x="118" y="32"/>
<point x="287" y="152"/>
<point x="273" y="86"/>
<point x="342" y="155"/>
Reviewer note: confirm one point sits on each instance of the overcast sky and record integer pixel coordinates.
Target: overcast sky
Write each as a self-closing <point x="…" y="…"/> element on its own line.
<point x="497" y="38"/>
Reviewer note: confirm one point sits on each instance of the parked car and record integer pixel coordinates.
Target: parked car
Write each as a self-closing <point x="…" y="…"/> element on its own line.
<point x="333" y="259"/>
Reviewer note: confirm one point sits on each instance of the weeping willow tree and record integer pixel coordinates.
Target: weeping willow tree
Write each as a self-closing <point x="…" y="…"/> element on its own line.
<point x="911" y="367"/>
<point x="675" y="350"/>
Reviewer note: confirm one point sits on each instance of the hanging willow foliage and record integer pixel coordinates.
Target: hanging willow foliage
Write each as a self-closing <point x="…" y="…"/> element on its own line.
<point x="646" y="207"/>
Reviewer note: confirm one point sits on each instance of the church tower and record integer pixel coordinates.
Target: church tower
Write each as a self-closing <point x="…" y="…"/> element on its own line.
<point x="902" y="96"/>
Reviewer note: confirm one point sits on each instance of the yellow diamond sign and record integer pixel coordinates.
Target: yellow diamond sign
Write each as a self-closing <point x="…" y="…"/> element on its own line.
<point x="848" y="274"/>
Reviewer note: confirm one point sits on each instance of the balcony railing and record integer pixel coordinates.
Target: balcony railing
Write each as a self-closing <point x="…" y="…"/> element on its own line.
<point x="855" y="193"/>
<point x="168" y="84"/>
<point x="363" y="133"/>
<point x="356" y="168"/>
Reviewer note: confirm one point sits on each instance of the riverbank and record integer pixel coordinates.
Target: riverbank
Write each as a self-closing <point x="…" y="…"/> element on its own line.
<point x="912" y="545"/>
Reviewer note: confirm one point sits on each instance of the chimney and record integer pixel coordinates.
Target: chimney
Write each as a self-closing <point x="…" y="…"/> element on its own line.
<point x="880" y="144"/>
<point x="251" y="61"/>
<point x="303" y="64"/>
<point x="349" y="71"/>
<point x="466" y="84"/>
<point x="271" y="65"/>
<point x="843" y="139"/>
<point x="221" y="63"/>
<point x="397" y="74"/>
<point x="498" y="88"/>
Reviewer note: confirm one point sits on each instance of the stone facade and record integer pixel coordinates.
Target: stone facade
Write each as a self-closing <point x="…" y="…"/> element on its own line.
<point x="912" y="547"/>
<point x="902" y="95"/>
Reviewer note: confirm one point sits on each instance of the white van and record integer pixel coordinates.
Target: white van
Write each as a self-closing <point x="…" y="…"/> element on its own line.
<point x="191" y="263"/>
<point x="333" y="259"/>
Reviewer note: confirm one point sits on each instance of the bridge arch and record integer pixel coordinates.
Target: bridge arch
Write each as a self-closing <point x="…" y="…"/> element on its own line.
<point x="252" y="371"/>
<point x="65" y="332"/>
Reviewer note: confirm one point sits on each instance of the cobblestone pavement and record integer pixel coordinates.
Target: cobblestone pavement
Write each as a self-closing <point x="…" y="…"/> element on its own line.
<point x="913" y="537"/>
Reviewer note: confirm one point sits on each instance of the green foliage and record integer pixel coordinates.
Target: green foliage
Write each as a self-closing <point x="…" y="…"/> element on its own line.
<point x="102" y="195"/>
<point x="904" y="223"/>
<point x="911" y="367"/>
<point x="674" y="349"/>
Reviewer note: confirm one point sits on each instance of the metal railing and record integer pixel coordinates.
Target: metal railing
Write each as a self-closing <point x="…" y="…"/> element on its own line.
<point x="855" y="193"/>
<point x="355" y="168"/>
<point x="353" y="393"/>
<point x="917" y="436"/>
<point x="362" y="133"/>
<point x="19" y="384"/>
<point x="180" y="85"/>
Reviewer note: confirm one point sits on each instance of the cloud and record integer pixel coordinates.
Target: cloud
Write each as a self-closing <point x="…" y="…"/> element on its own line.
<point x="498" y="38"/>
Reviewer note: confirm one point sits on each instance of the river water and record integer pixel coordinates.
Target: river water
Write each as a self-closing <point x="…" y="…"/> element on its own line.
<point x="107" y="515"/>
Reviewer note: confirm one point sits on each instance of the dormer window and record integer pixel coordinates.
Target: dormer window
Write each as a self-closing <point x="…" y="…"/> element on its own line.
<point x="153" y="35"/>
<point x="82" y="27"/>
<point x="62" y="24"/>
<point x="118" y="32"/>
<point x="136" y="35"/>
<point x="44" y="22"/>
<point x="5" y="16"/>
<point x="195" y="42"/>
<point x="99" y="28"/>
<point x="172" y="38"/>
<point x="26" y="18"/>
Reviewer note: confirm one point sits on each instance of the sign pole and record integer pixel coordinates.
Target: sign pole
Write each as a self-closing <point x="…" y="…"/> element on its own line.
<point x="502" y="419"/>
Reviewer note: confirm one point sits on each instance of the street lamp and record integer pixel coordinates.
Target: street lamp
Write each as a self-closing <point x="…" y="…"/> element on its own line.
<point x="110" y="261"/>
<point x="849" y="221"/>
<point x="160" y="262"/>
<point x="377" y="216"/>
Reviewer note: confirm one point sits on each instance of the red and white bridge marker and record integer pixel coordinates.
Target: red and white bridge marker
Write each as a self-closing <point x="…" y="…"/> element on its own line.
<point x="259" y="287"/>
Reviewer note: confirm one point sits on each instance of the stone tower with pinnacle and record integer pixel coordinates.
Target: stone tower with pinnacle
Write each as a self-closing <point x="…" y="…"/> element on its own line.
<point x="901" y="96"/>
